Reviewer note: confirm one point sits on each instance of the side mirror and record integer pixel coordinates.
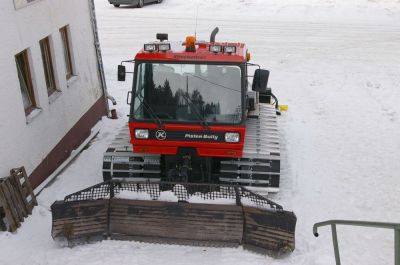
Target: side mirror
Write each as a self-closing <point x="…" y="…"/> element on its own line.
<point x="260" y="80"/>
<point x="121" y="72"/>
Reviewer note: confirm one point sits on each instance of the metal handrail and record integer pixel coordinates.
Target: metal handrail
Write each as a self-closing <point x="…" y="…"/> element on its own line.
<point x="333" y="223"/>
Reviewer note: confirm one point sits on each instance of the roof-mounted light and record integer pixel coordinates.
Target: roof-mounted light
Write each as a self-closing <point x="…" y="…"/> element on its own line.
<point x="190" y="44"/>
<point x="229" y="49"/>
<point x="163" y="47"/>
<point x="215" y="48"/>
<point x="150" y="47"/>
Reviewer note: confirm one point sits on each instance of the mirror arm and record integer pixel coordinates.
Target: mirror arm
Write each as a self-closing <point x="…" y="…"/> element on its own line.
<point x="254" y="64"/>
<point x="127" y="61"/>
<point x="259" y="68"/>
<point x="123" y="72"/>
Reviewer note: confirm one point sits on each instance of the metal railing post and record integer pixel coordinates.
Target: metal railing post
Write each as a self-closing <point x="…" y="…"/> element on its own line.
<point x="335" y="244"/>
<point x="333" y="223"/>
<point x="397" y="246"/>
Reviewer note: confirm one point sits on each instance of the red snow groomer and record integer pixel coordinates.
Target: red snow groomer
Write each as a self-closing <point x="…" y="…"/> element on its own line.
<point x="199" y="144"/>
<point x="194" y="119"/>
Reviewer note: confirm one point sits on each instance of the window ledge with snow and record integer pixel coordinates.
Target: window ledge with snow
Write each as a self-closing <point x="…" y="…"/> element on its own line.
<point x="23" y="3"/>
<point x="31" y="116"/>
<point x="72" y="80"/>
<point x="53" y="97"/>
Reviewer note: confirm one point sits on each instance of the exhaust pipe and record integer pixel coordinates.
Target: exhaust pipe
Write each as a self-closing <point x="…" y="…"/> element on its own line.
<point x="213" y="34"/>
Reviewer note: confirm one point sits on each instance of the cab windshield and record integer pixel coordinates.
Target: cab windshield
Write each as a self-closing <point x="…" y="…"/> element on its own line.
<point x="188" y="93"/>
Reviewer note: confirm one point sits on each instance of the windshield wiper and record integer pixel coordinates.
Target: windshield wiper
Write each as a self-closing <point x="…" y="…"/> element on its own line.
<point x="153" y="115"/>
<point x="215" y="84"/>
<point x="202" y="121"/>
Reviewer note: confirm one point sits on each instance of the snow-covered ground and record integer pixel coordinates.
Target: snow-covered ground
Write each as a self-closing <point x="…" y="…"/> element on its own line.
<point x="334" y="62"/>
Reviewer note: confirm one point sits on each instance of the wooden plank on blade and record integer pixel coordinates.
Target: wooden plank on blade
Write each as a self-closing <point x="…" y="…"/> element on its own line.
<point x="159" y="240"/>
<point x="219" y="223"/>
<point x="269" y="230"/>
<point x="81" y="225"/>
<point x="80" y="219"/>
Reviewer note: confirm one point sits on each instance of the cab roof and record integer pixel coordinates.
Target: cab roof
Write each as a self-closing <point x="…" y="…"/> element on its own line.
<point x="202" y="53"/>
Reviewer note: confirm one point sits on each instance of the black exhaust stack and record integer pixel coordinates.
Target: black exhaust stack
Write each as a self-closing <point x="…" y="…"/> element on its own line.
<point x="213" y="34"/>
<point x="162" y="36"/>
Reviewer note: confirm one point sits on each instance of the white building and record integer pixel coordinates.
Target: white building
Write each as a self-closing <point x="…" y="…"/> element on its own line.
<point x="51" y="83"/>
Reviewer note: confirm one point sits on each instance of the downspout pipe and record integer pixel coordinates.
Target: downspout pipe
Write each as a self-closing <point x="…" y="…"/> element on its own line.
<point x="99" y="57"/>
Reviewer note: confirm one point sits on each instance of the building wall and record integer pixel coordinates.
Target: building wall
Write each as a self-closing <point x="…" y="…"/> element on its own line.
<point x="28" y="140"/>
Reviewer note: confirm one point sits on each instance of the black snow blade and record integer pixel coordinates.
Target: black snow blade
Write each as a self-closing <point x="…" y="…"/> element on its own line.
<point x="181" y="213"/>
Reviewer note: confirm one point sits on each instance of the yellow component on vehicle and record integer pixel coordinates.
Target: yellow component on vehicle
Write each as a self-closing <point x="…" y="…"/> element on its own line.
<point x="248" y="56"/>
<point x="283" y="107"/>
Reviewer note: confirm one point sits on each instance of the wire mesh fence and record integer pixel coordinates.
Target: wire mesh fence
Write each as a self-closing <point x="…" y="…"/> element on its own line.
<point x="183" y="192"/>
<point x="251" y="198"/>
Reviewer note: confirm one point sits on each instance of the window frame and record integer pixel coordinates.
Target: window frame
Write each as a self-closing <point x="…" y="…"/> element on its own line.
<point x="48" y="65"/>
<point x="26" y="80"/>
<point x="242" y="67"/>
<point x="18" y="4"/>
<point x="68" y="56"/>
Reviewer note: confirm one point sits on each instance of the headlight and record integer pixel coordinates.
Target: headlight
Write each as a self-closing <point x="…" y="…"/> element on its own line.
<point x="141" y="134"/>
<point x="150" y="47"/>
<point x="232" y="137"/>
<point x="229" y="49"/>
<point x="163" y="47"/>
<point x="215" y="48"/>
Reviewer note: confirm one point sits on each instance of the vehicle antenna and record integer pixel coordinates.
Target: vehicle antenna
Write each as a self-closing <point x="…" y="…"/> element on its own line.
<point x="197" y="14"/>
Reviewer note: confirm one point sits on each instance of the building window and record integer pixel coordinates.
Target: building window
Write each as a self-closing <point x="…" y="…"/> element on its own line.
<point x="47" y="59"/>
<point x="67" y="51"/>
<point x="25" y="80"/>
<point x="21" y="3"/>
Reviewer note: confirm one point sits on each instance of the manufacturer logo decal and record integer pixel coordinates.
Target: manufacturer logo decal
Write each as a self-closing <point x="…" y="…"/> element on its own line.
<point x="161" y="135"/>
<point x="190" y="57"/>
<point x="201" y="136"/>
